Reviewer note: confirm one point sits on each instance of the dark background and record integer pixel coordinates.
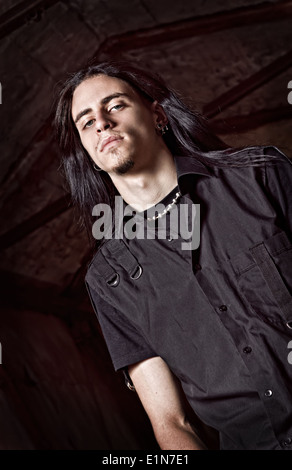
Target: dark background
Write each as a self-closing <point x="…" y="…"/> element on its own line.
<point x="231" y="60"/>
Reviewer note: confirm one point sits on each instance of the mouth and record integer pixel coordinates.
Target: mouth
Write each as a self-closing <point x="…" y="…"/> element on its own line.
<point x="110" y="141"/>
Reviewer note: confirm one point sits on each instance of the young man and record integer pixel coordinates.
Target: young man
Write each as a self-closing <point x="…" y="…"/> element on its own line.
<point x="213" y="312"/>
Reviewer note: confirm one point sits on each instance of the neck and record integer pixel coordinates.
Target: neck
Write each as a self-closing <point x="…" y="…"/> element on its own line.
<point x="145" y="188"/>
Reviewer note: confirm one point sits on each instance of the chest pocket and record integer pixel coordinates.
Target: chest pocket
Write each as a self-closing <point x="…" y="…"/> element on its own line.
<point x="264" y="276"/>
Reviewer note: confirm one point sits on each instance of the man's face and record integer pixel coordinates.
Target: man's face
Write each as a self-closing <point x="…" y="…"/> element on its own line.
<point x="116" y="126"/>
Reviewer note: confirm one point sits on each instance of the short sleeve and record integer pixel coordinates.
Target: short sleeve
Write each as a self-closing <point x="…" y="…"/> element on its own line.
<point x="279" y="185"/>
<point x="125" y="343"/>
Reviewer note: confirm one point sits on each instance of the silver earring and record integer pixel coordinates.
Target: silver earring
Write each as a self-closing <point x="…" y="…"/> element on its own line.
<point x="96" y="168"/>
<point x="162" y="130"/>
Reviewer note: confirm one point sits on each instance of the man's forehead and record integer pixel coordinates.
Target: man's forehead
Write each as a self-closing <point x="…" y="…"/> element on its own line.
<point x="104" y="85"/>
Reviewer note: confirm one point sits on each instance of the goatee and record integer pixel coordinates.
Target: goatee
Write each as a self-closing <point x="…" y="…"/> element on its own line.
<point x="124" y="167"/>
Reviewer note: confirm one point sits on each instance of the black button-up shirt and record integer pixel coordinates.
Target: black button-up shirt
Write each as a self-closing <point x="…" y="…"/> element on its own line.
<point x="219" y="313"/>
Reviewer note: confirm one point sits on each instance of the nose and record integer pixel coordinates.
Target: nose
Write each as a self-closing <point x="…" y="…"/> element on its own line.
<point x="102" y="124"/>
<point x="103" y="128"/>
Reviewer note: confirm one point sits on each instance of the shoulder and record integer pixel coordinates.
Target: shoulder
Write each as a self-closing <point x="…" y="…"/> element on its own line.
<point x="251" y="161"/>
<point x="98" y="268"/>
<point x="244" y="156"/>
<point x="241" y="171"/>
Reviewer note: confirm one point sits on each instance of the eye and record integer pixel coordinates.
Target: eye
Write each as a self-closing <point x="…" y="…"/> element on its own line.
<point x="116" y="107"/>
<point x="88" y="123"/>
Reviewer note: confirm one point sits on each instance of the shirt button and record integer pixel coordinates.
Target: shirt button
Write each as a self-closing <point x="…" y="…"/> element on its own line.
<point x="247" y="350"/>
<point x="223" y="308"/>
<point x="268" y="393"/>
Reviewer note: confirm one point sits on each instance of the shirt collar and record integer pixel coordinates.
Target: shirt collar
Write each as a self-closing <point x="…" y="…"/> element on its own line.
<point x="190" y="165"/>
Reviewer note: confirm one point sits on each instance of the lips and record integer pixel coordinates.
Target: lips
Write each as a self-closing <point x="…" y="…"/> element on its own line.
<point x="108" y="140"/>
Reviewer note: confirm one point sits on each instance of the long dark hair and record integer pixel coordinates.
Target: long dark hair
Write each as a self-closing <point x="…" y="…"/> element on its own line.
<point x="188" y="133"/>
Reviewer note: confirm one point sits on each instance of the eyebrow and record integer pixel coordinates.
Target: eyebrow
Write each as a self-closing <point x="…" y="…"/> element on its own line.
<point x="104" y="101"/>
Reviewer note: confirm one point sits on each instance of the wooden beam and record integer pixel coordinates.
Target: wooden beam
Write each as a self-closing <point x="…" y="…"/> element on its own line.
<point x="34" y="222"/>
<point x="234" y="124"/>
<point x="198" y="26"/>
<point x="23" y="13"/>
<point x="248" y="85"/>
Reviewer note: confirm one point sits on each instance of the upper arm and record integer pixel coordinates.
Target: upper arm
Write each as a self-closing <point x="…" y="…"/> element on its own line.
<point x="164" y="402"/>
<point x="157" y="388"/>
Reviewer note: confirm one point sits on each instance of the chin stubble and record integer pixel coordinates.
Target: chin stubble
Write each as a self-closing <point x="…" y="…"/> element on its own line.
<point x="124" y="167"/>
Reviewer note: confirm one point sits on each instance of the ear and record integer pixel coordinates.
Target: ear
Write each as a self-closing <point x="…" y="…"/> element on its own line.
<point x="159" y="114"/>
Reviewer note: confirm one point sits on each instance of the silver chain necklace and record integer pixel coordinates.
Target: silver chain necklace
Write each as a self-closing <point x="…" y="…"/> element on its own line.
<point x="167" y="209"/>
